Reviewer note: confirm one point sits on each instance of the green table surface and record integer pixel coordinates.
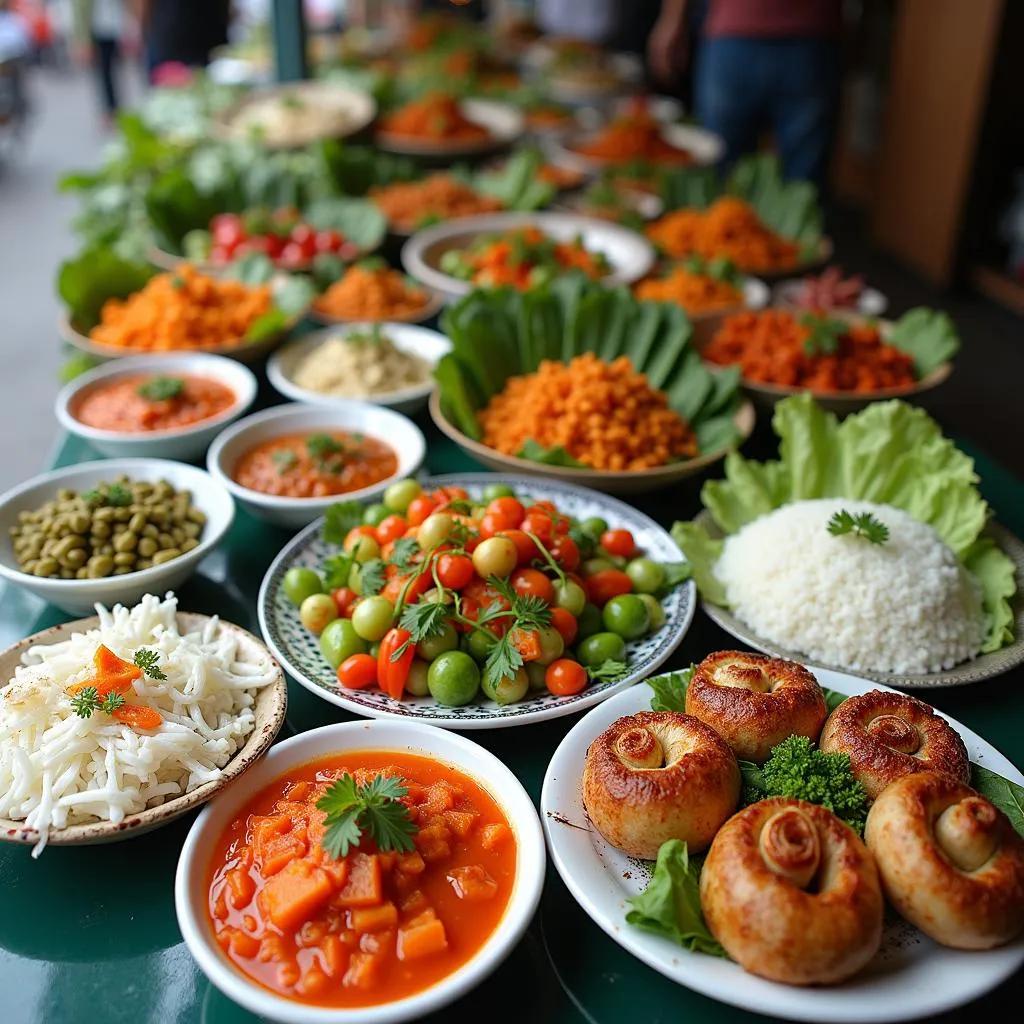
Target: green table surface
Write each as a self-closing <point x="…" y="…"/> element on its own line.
<point x="89" y="933"/>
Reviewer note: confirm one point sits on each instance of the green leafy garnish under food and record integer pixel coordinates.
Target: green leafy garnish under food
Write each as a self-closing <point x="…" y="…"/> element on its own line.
<point x="95" y="275"/>
<point x="1006" y="795"/>
<point x="861" y="524"/>
<point x="517" y="184"/>
<point x="670" y="905"/>
<point x="374" y="809"/>
<point x="149" y="662"/>
<point x="891" y="453"/>
<point x="928" y="336"/>
<point x="161" y="389"/>
<point x="670" y="690"/>
<point x="556" y="456"/>
<point x="608" y="671"/>
<point x="341" y="517"/>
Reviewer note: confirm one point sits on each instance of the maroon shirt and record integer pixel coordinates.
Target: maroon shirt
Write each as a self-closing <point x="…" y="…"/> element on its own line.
<point x="773" y="18"/>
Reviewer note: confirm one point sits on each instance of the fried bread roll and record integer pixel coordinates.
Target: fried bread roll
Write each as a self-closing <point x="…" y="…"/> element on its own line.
<point x="951" y="863"/>
<point x="659" y="775"/>
<point x="754" y="702"/>
<point x="888" y="735"/>
<point x="792" y="893"/>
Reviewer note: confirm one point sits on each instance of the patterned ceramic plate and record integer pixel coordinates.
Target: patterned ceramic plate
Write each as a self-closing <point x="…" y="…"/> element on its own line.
<point x="298" y="650"/>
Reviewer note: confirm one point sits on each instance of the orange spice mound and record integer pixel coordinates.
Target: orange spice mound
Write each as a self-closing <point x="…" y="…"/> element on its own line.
<point x="406" y="204"/>
<point x="438" y="116"/>
<point x="729" y="227"/>
<point x="183" y="309"/>
<point x="633" y="137"/>
<point x="604" y="415"/>
<point x="696" y="293"/>
<point x="774" y="347"/>
<point x="371" y="294"/>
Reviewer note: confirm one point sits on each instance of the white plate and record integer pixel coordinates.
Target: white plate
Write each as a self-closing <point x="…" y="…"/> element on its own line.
<point x="504" y="124"/>
<point x="631" y="256"/>
<point x="705" y="147"/>
<point x="911" y="977"/>
<point x="298" y="650"/>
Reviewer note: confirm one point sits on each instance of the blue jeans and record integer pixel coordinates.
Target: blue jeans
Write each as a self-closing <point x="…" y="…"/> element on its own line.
<point x="791" y="86"/>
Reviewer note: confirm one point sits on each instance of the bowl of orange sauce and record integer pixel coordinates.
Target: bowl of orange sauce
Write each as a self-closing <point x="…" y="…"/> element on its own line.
<point x="289" y="464"/>
<point x="302" y="911"/>
<point x="166" y="407"/>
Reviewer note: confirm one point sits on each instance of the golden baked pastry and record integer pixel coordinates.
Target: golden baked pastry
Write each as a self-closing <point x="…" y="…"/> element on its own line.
<point x="755" y="702"/>
<point x="659" y="775"/>
<point x="951" y="863"/>
<point x="792" y="893"/>
<point x="888" y="735"/>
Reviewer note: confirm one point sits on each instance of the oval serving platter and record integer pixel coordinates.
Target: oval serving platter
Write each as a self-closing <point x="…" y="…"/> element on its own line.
<point x="911" y="977"/>
<point x="298" y="650"/>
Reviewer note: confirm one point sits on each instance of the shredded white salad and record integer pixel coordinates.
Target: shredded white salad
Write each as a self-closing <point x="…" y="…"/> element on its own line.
<point x="59" y="769"/>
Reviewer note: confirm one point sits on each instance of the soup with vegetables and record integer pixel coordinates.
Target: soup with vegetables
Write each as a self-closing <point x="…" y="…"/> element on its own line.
<point x="315" y="465"/>
<point x="145" y="402"/>
<point x="361" y="878"/>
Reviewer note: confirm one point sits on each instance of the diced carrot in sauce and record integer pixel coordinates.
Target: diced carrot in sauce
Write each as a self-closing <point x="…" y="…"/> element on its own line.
<point x="494" y="835"/>
<point x="374" y="919"/>
<point x="312" y="933"/>
<point x="288" y="975"/>
<point x="235" y="940"/>
<point x="335" y="955"/>
<point x="378" y="943"/>
<point x="387" y="860"/>
<point x="298" y="791"/>
<point x="220" y="906"/>
<point x="411" y="863"/>
<point x="440" y="797"/>
<point x="460" y="822"/>
<point x="413" y="904"/>
<point x="435" y="850"/>
<point x="264" y="829"/>
<point x="337" y="871"/>
<point x="363" y="971"/>
<point x="279" y="852"/>
<point x="425" y="916"/>
<point x="314" y="981"/>
<point x="241" y="887"/>
<point x="424" y="940"/>
<point x="363" y="886"/>
<point x="472" y="883"/>
<point x="295" y="893"/>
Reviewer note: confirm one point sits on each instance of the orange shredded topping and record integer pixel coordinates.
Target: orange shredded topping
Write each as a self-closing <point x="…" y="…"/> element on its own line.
<point x="696" y="293"/>
<point x="407" y="204"/>
<point x="632" y="137"/>
<point x="438" y="116"/>
<point x="378" y="294"/>
<point x="497" y="264"/>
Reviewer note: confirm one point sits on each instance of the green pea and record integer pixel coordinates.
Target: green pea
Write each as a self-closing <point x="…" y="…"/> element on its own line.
<point x="166" y="555"/>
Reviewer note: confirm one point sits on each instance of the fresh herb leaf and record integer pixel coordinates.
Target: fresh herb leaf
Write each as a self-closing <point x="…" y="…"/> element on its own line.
<point x="118" y="496"/>
<point x="111" y="702"/>
<point x="326" y="452"/>
<point x="863" y="524"/>
<point x="675" y="573"/>
<point x="371" y="577"/>
<point x="504" y="659"/>
<point x="824" y="335"/>
<point x="342" y="517"/>
<point x="149" y="662"/>
<point x="608" y="671"/>
<point x="92" y="497"/>
<point x="283" y="460"/>
<point x="85" y="702"/>
<point x="1006" y="795"/>
<point x="403" y="552"/>
<point x="423" y="619"/>
<point x="833" y="698"/>
<point x="337" y="570"/>
<point x="161" y="389"/>
<point x="556" y="456"/>
<point x="753" y="783"/>
<point x="374" y="809"/>
<point x="670" y="690"/>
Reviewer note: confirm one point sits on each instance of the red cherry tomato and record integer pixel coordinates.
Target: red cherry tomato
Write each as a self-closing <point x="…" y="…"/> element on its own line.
<point x="348" y="250"/>
<point x="328" y="241"/>
<point x="358" y="672"/>
<point x="257" y="243"/>
<point x="419" y="508"/>
<point x="359" y="531"/>
<point x="227" y="230"/>
<point x="484" y="595"/>
<point x="606" y="584"/>
<point x="509" y="509"/>
<point x="565" y="552"/>
<point x="451" y="494"/>
<point x="219" y="255"/>
<point x="344" y="598"/>
<point x="293" y="257"/>
<point x="399" y="585"/>
<point x="565" y="622"/>
<point x="275" y="246"/>
<point x="565" y="677"/>
<point x="492" y="524"/>
<point x="540" y="525"/>
<point x="533" y="583"/>
<point x="390" y="528"/>
<point x="455" y="571"/>
<point x="618" y="542"/>
<point x="302" y="234"/>
<point x="525" y="547"/>
<point x="470" y="610"/>
<point x="547" y="506"/>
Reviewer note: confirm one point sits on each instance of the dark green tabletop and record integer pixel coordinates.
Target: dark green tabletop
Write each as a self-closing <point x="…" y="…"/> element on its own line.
<point x="89" y="933"/>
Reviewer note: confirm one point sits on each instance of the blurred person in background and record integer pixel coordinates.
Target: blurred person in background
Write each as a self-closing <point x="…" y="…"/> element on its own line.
<point x="15" y="53"/>
<point x="764" y="65"/>
<point x="180" y="34"/>
<point x="99" y="28"/>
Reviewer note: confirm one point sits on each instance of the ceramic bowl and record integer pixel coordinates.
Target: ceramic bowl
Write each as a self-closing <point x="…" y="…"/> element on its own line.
<point x="428" y="345"/>
<point x="871" y="303"/>
<point x="269" y="711"/>
<point x="79" y="596"/>
<point x="435" y="303"/>
<point x="706" y="148"/>
<point x="504" y="123"/>
<point x="191" y="883"/>
<point x="184" y="443"/>
<point x="400" y="433"/>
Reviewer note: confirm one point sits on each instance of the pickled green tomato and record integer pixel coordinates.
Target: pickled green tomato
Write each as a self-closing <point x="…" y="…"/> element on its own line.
<point x="400" y="494"/>
<point x="453" y="679"/>
<point x="372" y="617"/>
<point x="656" y="610"/>
<point x="648" y="577"/>
<point x="594" y="527"/>
<point x="552" y="646"/>
<point x="479" y="644"/>
<point x="496" y="556"/>
<point x="627" y="615"/>
<point x="434" y="530"/>
<point x="570" y="596"/>
<point x="592" y="566"/>
<point x="375" y="514"/>
<point x="504" y="690"/>
<point x="300" y="583"/>
<point x="588" y="622"/>
<point x="430" y="647"/>
<point x="316" y="611"/>
<point x="599" y="648"/>
<point x="339" y="641"/>
<point x="362" y="548"/>
<point x="492" y="491"/>
<point x="416" y="681"/>
<point x="535" y="675"/>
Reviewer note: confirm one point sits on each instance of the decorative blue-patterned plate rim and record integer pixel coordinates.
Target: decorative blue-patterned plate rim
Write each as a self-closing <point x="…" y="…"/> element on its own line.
<point x="298" y="651"/>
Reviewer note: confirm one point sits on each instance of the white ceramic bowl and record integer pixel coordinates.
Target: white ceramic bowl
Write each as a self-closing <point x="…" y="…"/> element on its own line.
<point x="705" y="148"/>
<point x="191" y="881"/>
<point x="185" y="443"/>
<point x="400" y="433"/>
<point x="429" y="345"/>
<point x="79" y="596"/>
<point x="504" y="124"/>
<point x="631" y="256"/>
<point x="871" y="303"/>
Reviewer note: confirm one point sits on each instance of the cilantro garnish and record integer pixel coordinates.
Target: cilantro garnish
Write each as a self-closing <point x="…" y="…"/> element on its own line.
<point x="863" y="524"/>
<point x="283" y="460"/>
<point x="160" y="389"/>
<point x="374" y="809"/>
<point x="88" y="700"/>
<point x="149" y="662"/>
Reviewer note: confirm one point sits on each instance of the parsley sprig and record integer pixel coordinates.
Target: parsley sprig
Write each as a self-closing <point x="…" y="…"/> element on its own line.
<point x="88" y="700"/>
<point x="823" y="339"/>
<point x="149" y="662"/>
<point x="374" y="809"/>
<point x="861" y="524"/>
<point x="161" y="389"/>
<point x="326" y="452"/>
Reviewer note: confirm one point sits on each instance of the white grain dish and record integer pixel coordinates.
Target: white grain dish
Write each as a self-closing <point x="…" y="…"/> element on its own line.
<point x="191" y="883"/>
<point x="404" y="437"/>
<point x="184" y="443"/>
<point x="911" y="978"/>
<point x="423" y="342"/>
<point x="79" y="596"/>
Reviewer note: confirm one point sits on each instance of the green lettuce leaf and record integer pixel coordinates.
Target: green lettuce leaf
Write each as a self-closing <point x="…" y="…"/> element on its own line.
<point x="833" y="698"/>
<point x="928" y="336"/>
<point x="702" y="553"/>
<point x="556" y="456"/>
<point x="997" y="575"/>
<point x="358" y="220"/>
<point x="96" y="274"/>
<point x="670" y="905"/>
<point x="517" y="185"/>
<point x="1006" y="795"/>
<point x="670" y="690"/>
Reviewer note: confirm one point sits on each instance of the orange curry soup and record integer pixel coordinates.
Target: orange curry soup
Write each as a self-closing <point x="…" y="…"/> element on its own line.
<point x="135" y="404"/>
<point x="315" y="465"/>
<point x="372" y="927"/>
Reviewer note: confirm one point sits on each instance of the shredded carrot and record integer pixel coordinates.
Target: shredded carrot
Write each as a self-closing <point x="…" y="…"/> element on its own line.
<point x="635" y="136"/>
<point x="604" y="415"/>
<point x="407" y="204"/>
<point x="513" y="257"/>
<point x="696" y="293"/>
<point x="365" y="294"/>
<point x="437" y="116"/>
<point x="775" y="347"/>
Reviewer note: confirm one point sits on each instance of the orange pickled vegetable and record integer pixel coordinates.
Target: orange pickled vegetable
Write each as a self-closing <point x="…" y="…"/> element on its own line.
<point x="437" y="116"/>
<point x="407" y="204"/>
<point x="634" y="137"/>
<point x="696" y="293"/>
<point x="138" y="716"/>
<point x="372" y="294"/>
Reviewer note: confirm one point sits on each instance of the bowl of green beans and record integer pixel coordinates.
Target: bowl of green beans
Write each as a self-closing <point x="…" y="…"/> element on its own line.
<point x="110" y="531"/>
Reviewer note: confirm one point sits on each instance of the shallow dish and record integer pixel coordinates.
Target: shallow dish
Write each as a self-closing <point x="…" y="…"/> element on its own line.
<point x="429" y="345"/>
<point x="298" y="650"/>
<point x="504" y="123"/>
<point x="910" y="978"/>
<point x="705" y="148"/>
<point x="607" y="481"/>
<point x="79" y="596"/>
<point x="646" y="204"/>
<point x="872" y="302"/>
<point x="184" y="443"/>
<point x="984" y="666"/>
<point x="400" y="433"/>
<point x="630" y="254"/>
<point x="191" y="883"/>
<point x="269" y="710"/>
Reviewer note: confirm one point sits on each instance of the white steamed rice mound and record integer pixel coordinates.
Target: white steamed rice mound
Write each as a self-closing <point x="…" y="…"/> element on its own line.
<point x="906" y="606"/>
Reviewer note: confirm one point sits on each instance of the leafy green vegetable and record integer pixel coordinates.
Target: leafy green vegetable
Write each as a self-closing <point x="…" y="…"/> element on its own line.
<point x="76" y="364"/>
<point x="752" y="783"/>
<point x="608" y="671"/>
<point x="337" y="569"/>
<point x="863" y="524"/>
<point x="670" y="690"/>
<point x="160" y="389"/>
<point x="675" y="573"/>
<point x="701" y="554"/>
<point x="928" y="336"/>
<point x="670" y="905"/>
<point x="88" y="700"/>
<point x="358" y="220"/>
<point x="556" y="456"/>
<point x="340" y="518"/>
<point x="92" y="277"/>
<point x="833" y="698"/>
<point x="1006" y="795"/>
<point x="374" y="809"/>
<point x="517" y="184"/>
